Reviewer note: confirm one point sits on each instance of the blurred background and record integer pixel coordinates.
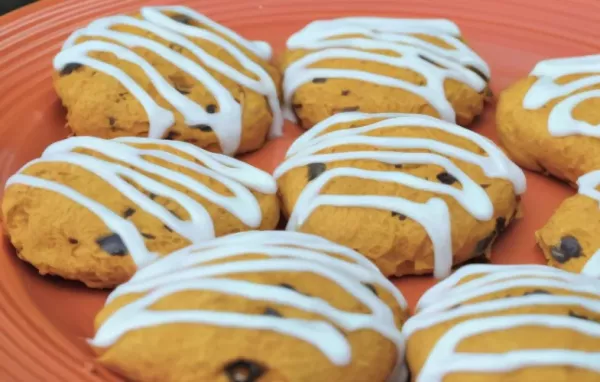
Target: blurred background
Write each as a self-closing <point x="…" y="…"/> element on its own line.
<point x="9" y="5"/>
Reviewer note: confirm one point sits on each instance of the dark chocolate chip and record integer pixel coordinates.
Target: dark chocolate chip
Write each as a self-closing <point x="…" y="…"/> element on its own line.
<point x="500" y="224"/>
<point x="536" y="291"/>
<point x="319" y="80"/>
<point x="288" y="286"/>
<point x="297" y="106"/>
<point x="148" y="236"/>
<point x="168" y="228"/>
<point x="112" y="244"/>
<point x="211" y="109"/>
<point x="350" y="108"/>
<point x="345" y="92"/>
<point x="272" y="312"/>
<point x="128" y="212"/>
<point x="398" y="215"/>
<point x="446" y="178"/>
<point x="484" y="243"/>
<point x="177" y="48"/>
<point x="172" y="135"/>
<point x="398" y="165"/>
<point x="316" y="169"/>
<point x="202" y="127"/>
<point x="244" y="371"/>
<point x="152" y="195"/>
<point x="69" y="68"/>
<point x="111" y="121"/>
<point x="182" y="19"/>
<point x="73" y="241"/>
<point x="568" y="249"/>
<point x="372" y="288"/>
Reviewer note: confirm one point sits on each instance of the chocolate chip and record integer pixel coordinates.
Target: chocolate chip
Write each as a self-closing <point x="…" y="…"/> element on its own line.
<point x="177" y="48"/>
<point x="485" y="185"/>
<point x="211" y="109"/>
<point x="398" y="215"/>
<point x="350" y="108"/>
<point x="398" y="165"/>
<point x="73" y="241"/>
<point x="568" y="249"/>
<point x="345" y="92"/>
<point x="112" y="244"/>
<point x="69" y="68"/>
<point x="152" y="195"/>
<point x="111" y="121"/>
<point x="202" y="127"/>
<point x="244" y="371"/>
<point x="319" y="80"/>
<point x="182" y="19"/>
<point x="500" y="224"/>
<point x="297" y="106"/>
<point x="446" y="178"/>
<point x="484" y="243"/>
<point x="315" y="169"/>
<point x="172" y="135"/>
<point x="128" y="212"/>
<point x="148" y="236"/>
<point x="536" y="291"/>
<point x="272" y="312"/>
<point x="288" y="286"/>
<point x="372" y="288"/>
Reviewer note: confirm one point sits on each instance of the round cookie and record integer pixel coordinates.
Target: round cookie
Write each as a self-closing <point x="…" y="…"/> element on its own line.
<point x="374" y="65"/>
<point x="412" y="193"/>
<point x="169" y="72"/>
<point x="255" y="307"/>
<point x="498" y="323"/>
<point x="94" y="210"/>
<point x="569" y="239"/>
<point x="548" y="122"/>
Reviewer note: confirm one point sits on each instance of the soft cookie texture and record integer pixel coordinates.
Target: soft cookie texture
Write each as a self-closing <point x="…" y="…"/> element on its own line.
<point x="255" y="307"/>
<point x="493" y="323"/>
<point x="412" y="193"/>
<point x="95" y="210"/>
<point x="570" y="239"/>
<point x="372" y="64"/>
<point x="549" y="121"/>
<point x="169" y="72"/>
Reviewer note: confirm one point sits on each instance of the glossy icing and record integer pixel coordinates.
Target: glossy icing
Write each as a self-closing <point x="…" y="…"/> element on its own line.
<point x="237" y="176"/>
<point x="187" y="269"/>
<point x="439" y="305"/>
<point x="436" y="64"/>
<point x="227" y="121"/>
<point x="433" y="215"/>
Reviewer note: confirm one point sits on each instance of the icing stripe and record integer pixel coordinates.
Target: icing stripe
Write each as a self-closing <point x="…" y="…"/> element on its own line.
<point x="434" y="63"/>
<point x="229" y="172"/>
<point x="187" y="269"/>
<point x="433" y="215"/>
<point x="561" y="122"/>
<point x="227" y="121"/>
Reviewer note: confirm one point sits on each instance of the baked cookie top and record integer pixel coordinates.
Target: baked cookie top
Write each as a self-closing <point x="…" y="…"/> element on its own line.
<point x="493" y="321"/>
<point x="422" y="169"/>
<point x="132" y="183"/>
<point x="319" y="299"/>
<point x="170" y="67"/>
<point x="426" y="58"/>
<point x="548" y="122"/>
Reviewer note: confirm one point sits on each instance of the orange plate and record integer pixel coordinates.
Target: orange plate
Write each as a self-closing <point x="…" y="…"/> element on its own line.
<point x="44" y="321"/>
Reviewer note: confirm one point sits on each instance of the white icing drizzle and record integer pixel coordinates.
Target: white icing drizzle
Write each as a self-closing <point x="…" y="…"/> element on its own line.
<point x="227" y="121"/>
<point x="233" y="174"/>
<point x="392" y="35"/>
<point x="188" y="269"/>
<point x="439" y="305"/>
<point x="561" y="122"/>
<point x="588" y="185"/>
<point x="433" y="215"/>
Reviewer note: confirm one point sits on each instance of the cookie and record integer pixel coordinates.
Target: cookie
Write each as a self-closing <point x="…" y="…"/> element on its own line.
<point x="496" y="323"/>
<point x="412" y="193"/>
<point x="95" y="210"/>
<point x="569" y="240"/>
<point x="374" y="65"/>
<point x="254" y="307"/>
<point x="172" y="73"/>
<point x="548" y="122"/>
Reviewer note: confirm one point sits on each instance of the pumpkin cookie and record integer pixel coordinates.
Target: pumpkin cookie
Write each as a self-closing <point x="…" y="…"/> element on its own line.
<point x="94" y="210"/>
<point x="169" y="72"/>
<point x="254" y="307"/>
<point x="549" y="122"/>
<point x="412" y="193"/>
<point x="494" y="323"/>
<point x="570" y="238"/>
<point x="373" y="65"/>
